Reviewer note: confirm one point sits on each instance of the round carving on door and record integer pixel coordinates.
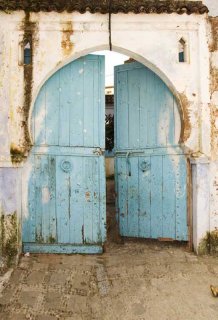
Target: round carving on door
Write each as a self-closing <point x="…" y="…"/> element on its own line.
<point x="66" y="166"/>
<point x="144" y="166"/>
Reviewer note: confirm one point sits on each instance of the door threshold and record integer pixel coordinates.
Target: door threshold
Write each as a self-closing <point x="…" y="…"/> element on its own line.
<point x="62" y="248"/>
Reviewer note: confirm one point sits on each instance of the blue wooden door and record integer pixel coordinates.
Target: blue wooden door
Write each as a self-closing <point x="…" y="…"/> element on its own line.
<point x="151" y="168"/>
<point x="64" y="209"/>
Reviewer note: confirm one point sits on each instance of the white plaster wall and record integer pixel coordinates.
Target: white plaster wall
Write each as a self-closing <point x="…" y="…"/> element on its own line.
<point x="11" y="84"/>
<point x="214" y="196"/>
<point x="151" y="39"/>
<point x="213" y="7"/>
<point x="4" y="95"/>
<point x="205" y="199"/>
<point x="201" y="200"/>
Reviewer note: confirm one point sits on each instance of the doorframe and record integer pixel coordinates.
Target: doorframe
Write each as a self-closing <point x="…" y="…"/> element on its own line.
<point x="180" y="102"/>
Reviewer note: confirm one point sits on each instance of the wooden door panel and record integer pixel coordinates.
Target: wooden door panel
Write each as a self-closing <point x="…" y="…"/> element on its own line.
<point x="150" y="165"/>
<point x="64" y="210"/>
<point x="152" y="200"/>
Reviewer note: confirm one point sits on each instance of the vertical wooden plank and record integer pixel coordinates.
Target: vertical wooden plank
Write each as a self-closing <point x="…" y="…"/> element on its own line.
<point x="145" y="197"/>
<point x="97" y="198"/>
<point x="170" y="135"/>
<point x="52" y="203"/>
<point x="52" y="109"/>
<point x="165" y="126"/>
<point x="156" y="197"/>
<point x="77" y="200"/>
<point x="152" y="110"/>
<point x="38" y="198"/>
<point x="122" y="114"/>
<point x="134" y="108"/>
<point x="89" y="80"/>
<point x="98" y="105"/>
<point x="28" y="208"/>
<point x="162" y="113"/>
<point x="99" y="177"/>
<point x="39" y="118"/>
<point x="45" y="200"/>
<point x="144" y="108"/>
<point x="88" y="199"/>
<point x="116" y="123"/>
<point x="63" y="193"/>
<point x="102" y="191"/>
<point x="100" y="116"/>
<point x="181" y="198"/>
<point x="169" y="199"/>
<point x="76" y="110"/>
<point x="133" y="199"/>
<point x="66" y="102"/>
<point x="122" y="188"/>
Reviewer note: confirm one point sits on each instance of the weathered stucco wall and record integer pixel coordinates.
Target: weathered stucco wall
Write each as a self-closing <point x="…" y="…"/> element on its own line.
<point x="9" y="216"/>
<point x="151" y="39"/>
<point x="210" y="242"/>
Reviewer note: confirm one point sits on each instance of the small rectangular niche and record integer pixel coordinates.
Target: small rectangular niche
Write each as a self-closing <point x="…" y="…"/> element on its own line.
<point x="27" y="51"/>
<point x="182" y="57"/>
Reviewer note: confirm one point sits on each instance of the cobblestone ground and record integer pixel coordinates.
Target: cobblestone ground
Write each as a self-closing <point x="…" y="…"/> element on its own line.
<point x="143" y="280"/>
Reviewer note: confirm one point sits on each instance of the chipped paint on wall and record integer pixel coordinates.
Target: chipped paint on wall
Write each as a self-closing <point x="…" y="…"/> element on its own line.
<point x="66" y="43"/>
<point x="214" y="79"/>
<point x="213" y="47"/>
<point x="186" y="123"/>
<point x="9" y="240"/>
<point x="212" y="236"/>
<point x="209" y="244"/>
<point x="30" y="34"/>
<point x="9" y="217"/>
<point x="214" y="196"/>
<point x="214" y="33"/>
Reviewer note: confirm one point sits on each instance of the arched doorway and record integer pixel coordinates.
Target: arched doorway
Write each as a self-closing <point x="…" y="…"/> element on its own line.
<point x="66" y="187"/>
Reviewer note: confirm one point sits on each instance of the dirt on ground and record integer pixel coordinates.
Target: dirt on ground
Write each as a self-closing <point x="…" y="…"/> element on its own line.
<point x="132" y="280"/>
<point x="135" y="280"/>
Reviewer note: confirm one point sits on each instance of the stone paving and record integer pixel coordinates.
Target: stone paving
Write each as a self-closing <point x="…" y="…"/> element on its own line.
<point x="136" y="280"/>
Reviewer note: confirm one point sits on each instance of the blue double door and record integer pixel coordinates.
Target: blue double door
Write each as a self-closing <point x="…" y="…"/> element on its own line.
<point x="64" y="209"/>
